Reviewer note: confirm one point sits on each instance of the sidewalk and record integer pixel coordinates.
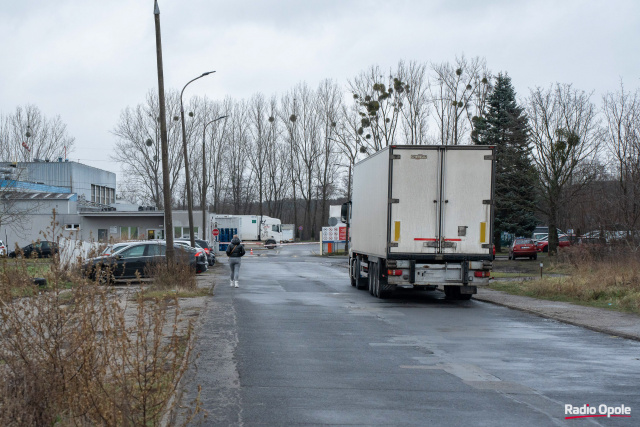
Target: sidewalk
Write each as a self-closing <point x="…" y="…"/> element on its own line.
<point x="610" y="322"/>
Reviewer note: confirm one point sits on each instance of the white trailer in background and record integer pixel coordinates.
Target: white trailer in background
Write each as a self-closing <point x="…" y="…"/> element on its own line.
<point x="288" y="233"/>
<point x="254" y="227"/>
<point x="421" y="217"/>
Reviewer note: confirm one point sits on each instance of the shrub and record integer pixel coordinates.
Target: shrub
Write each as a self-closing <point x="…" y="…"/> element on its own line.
<point x="177" y="276"/>
<point x="80" y="356"/>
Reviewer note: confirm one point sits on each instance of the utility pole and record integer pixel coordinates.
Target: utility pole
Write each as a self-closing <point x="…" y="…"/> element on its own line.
<point x="166" y="190"/>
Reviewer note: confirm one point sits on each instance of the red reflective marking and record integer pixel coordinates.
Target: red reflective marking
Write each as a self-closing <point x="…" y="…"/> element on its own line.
<point x="596" y="416"/>
<point x="435" y="240"/>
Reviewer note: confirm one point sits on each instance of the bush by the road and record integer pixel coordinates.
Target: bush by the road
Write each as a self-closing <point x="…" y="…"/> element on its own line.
<point x="84" y="354"/>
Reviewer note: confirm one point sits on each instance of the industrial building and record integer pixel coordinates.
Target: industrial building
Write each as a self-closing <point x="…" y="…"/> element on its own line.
<point x="90" y="184"/>
<point x="84" y="200"/>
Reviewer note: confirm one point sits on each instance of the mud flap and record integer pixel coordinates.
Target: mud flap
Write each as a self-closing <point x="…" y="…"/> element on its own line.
<point x="468" y="290"/>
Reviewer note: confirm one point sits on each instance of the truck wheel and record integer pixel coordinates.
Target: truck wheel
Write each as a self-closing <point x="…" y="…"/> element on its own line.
<point x="352" y="273"/>
<point x="376" y="282"/>
<point x="372" y="278"/>
<point x="361" y="282"/>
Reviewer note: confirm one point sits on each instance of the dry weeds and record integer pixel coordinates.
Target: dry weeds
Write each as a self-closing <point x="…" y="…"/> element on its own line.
<point x="604" y="276"/>
<point x="85" y="355"/>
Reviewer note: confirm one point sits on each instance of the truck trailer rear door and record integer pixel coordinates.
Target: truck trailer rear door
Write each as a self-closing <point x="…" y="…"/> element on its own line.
<point x="466" y="195"/>
<point x="413" y="202"/>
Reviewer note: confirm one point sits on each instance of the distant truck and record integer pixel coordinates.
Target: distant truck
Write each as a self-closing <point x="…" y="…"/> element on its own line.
<point x="254" y="227"/>
<point x="288" y="233"/>
<point x="421" y="217"/>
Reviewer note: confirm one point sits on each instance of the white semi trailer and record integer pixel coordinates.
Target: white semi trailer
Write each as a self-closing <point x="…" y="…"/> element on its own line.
<point x="254" y="227"/>
<point x="421" y="217"/>
<point x="288" y="233"/>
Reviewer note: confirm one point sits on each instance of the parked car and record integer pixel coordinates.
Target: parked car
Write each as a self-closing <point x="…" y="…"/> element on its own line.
<point x="206" y="246"/>
<point x="114" y="248"/>
<point x="270" y="243"/>
<point x="39" y="249"/>
<point x="523" y="247"/>
<point x="542" y="231"/>
<point x="3" y="249"/>
<point x="201" y="255"/>
<point x="542" y="245"/>
<point x="136" y="258"/>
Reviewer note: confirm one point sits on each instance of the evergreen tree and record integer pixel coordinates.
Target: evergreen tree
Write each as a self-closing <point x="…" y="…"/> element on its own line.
<point x="505" y="126"/>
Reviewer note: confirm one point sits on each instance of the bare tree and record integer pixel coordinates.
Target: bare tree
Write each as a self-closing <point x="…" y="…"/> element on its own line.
<point x="349" y="141"/>
<point x="565" y="133"/>
<point x="259" y="145"/>
<point x="236" y="158"/>
<point x="289" y="116"/>
<point x="27" y="134"/>
<point x="415" y="109"/>
<point x="277" y="164"/>
<point x="216" y="151"/>
<point x="459" y="95"/>
<point x="329" y="105"/>
<point x="379" y="106"/>
<point x="138" y="148"/>
<point x="622" y="114"/>
<point x="307" y="148"/>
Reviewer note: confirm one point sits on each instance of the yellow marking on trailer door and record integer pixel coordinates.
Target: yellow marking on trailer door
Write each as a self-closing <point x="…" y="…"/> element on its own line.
<point x="396" y="231"/>
<point x="483" y="232"/>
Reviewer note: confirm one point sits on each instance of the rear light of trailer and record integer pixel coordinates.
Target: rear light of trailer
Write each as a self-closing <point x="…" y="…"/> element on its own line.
<point x="394" y="272"/>
<point x="482" y="273"/>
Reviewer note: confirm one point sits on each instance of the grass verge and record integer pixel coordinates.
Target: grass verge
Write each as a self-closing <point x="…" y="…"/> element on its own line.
<point x="597" y="277"/>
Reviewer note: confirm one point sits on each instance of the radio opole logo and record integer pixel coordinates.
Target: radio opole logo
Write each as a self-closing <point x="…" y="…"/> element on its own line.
<point x="600" y="411"/>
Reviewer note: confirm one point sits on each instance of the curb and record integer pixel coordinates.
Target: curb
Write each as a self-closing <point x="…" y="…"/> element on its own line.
<point x="587" y="315"/>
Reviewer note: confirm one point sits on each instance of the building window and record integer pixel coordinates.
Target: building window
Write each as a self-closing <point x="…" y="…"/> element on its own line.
<point x="128" y="233"/>
<point x="72" y="227"/>
<point x="102" y="195"/>
<point x="183" y="232"/>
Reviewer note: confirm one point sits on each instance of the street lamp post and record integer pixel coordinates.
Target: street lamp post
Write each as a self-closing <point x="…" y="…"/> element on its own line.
<point x="186" y="161"/>
<point x="204" y="174"/>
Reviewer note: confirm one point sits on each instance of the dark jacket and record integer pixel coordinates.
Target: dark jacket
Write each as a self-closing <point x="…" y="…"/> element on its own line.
<point x="235" y="249"/>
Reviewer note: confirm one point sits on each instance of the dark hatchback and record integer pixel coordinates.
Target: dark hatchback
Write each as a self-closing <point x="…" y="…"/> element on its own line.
<point x="136" y="260"/>
<point x="208" y="249"/>
<point x="40" y="249"/>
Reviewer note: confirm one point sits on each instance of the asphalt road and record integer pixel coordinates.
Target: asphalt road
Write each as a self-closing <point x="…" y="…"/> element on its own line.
<point x="297" y="345"/>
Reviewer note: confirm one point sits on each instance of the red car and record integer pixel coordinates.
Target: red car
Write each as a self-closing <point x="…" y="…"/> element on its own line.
<point x="543" y="244"/>
<point x="522" y="247"/>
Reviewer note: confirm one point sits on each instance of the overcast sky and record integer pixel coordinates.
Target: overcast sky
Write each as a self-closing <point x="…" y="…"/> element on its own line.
<point x="86" y="60"/>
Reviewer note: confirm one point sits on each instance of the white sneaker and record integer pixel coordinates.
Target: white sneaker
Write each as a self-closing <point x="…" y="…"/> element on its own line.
<point x="232" y="283"/>
<point x="236" y="285"/>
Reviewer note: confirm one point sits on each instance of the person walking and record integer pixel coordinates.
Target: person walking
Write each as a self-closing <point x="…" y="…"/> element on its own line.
<point x="235" y="251"/>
